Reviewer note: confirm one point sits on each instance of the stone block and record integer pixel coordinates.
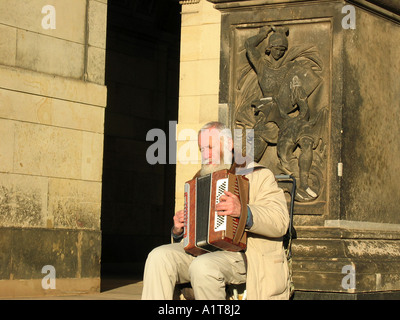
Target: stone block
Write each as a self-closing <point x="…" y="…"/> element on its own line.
<point x="96" y="65"/>
<point x="191" y="15"/>
<point x="190" y="42"/>
<point x="200" y="13"/>
<point x="55" y="112"/>
<point x="69" y="15"/>
<point x="92" y="156"/>
<point x="73" y="254"/>
<point x="74" y="204"/>
<point x="5" y="253"/>
<point x="8" y="44"/>
<point x="97" y="21"/>
<point x="200" y="42"/>
<point x="47" y="151"/>
<point x="90" y="251"/>
<point x="49" y="55"/>
<point x="209" y="13"/>
<point x="35" y="249"/>
<point x="23" y="200"/>
<point x="371" y="255"/>
<point x="208" y="108"/>
<point x="6" y="145"/>
<point x="57" y="152"/>
<point x="53" y="86"/>
<point x="199" y="77"/>
<point x="189" y="109"/>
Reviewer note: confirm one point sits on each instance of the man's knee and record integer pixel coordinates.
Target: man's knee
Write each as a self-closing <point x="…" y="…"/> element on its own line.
<point x="159" y="255"/>
<point x="202" y="267"/>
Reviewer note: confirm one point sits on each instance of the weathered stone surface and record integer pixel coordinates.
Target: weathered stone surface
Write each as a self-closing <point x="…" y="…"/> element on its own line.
<point x="70" y="23"/>
<point x="97" y="22"/>
<point x="50" y="111"/>
<point x="23" y="200"/>
<point x="61" y="50"/>
<point x="371" y="121"/>
<point x="74" y="204"/>
<point x="8" y="36"/>
<point x="52" y="86"/>
<point x="319" y="255"/>
<point x="6" y="145"/>
<point x="46" y="54"/>
<point x="73" y="253"/>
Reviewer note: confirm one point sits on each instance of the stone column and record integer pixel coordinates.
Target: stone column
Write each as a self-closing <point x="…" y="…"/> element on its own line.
<point x="198" y="91"/>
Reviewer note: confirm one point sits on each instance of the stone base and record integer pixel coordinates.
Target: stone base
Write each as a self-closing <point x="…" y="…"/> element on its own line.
<point x="313" y="295"/>
<point x="33" y="288"/>
<point x="336" y="261"/>
<point x="73" y="256"/>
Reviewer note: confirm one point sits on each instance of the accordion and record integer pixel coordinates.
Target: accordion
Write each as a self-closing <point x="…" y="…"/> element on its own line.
<point x="205" y="230"/>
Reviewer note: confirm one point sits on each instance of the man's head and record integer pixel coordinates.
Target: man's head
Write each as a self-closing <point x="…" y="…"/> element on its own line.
<point x="216" y="146"/>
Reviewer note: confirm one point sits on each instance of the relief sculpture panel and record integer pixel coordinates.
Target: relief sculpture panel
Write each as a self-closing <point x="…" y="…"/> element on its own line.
<point x="281" y="81"/>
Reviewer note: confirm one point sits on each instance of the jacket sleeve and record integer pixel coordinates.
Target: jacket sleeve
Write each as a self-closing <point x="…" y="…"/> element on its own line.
<point x="268" y="205"/>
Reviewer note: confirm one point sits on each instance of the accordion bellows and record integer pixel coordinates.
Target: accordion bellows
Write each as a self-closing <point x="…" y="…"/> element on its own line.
<point x="205" y="230"/>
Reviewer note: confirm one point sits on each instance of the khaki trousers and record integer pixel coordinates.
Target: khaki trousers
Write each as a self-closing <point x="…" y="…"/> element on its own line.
<point x="208" y="274"/>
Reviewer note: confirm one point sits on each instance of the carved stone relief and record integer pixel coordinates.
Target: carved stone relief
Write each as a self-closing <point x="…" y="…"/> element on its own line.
<point x="281" y="82"/>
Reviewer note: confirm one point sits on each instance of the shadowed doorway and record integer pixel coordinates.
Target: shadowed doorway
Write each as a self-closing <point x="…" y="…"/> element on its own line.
<point x="142" y="77"/>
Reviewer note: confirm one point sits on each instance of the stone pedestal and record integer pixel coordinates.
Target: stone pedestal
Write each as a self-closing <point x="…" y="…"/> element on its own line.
<point x="326" y="111"/>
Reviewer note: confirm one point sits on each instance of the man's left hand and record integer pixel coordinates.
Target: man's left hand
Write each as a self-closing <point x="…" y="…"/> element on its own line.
<point x="229" y="205"/>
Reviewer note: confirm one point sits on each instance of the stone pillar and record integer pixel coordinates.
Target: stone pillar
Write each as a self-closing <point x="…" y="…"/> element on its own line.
<point x="312" y="81"/>
<point x="52" y="101"/>
<point x="198" y="87"/>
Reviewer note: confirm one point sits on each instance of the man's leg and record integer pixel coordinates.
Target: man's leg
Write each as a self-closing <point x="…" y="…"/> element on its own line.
<point x="165" y="266"/>
<point x="209" y="273"/>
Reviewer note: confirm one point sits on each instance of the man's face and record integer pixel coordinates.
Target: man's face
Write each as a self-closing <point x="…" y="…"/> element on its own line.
<point x="216" y="153"/>
<point x="210" y="145"/>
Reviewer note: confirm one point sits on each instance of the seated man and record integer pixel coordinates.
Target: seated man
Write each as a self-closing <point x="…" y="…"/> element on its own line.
<point x="263" y="266"/>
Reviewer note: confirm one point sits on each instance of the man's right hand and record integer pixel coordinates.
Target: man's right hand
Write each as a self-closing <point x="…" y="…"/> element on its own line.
<point x="178" y="222"/>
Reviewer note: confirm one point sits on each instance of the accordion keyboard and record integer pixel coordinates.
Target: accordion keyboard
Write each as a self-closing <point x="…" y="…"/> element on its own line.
<point x="220" y="221"/>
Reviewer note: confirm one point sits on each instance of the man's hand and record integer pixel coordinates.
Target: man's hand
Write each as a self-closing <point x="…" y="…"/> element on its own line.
<point x="229" y="205"/>
<point x="178" y="222"/>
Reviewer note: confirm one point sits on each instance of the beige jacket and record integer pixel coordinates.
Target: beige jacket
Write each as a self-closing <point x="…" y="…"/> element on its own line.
<point x="267" y="269"/>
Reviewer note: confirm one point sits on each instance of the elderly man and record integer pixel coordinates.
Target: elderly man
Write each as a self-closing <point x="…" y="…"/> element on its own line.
<point x="263" y="266"/>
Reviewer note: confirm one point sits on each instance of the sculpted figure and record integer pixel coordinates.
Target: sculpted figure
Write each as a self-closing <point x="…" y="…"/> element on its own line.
<point x="286" y="78"/>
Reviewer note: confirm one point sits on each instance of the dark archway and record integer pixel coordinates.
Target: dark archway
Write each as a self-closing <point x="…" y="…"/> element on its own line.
<point x="142" y="77"/>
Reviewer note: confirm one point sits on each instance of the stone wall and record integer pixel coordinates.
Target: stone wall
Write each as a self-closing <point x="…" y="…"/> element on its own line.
<point x="52" y="102"/>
